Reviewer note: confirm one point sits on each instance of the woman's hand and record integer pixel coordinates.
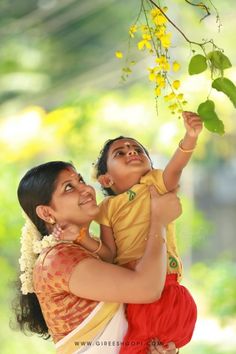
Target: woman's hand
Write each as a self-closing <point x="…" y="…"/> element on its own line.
<point x="156" y="348"/>
<point x="164" y="208"/>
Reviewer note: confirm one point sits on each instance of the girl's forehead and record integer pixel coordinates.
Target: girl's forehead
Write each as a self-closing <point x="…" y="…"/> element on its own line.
<point x="124" y="142"/>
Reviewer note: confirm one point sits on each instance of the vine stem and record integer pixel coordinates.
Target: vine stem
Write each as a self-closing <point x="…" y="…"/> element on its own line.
<point x="176" y="27"/>
<point x="201" y="5"/>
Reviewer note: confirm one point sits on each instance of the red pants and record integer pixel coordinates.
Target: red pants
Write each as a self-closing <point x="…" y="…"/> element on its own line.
<point x="172" y="318"/>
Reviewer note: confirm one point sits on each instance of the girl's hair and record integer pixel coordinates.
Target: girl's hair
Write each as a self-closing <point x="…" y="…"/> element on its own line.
<point x="101" y="163"/>
<point x="36" y="188"/>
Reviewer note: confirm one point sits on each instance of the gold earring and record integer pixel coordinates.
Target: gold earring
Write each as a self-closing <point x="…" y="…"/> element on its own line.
<point x="51" y="221"/>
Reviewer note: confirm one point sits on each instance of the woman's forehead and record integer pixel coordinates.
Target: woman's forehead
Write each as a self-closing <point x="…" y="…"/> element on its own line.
<point x="67" y="173"/>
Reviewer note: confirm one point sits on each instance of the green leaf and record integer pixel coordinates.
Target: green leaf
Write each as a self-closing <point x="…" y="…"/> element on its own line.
<point x="197" y="64"/>
<point x="227" y="87"/>
<point x="206" y="111"/>
<point x="219" y="60"/>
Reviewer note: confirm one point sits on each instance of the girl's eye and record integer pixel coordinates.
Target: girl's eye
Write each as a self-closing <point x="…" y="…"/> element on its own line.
<point x="119" y="153"/>
<point x="139" y="150"/>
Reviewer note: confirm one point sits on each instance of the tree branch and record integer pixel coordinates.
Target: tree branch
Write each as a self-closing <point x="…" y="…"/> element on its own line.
<point x="177" y="28"/>
<point x="202" y="6"/>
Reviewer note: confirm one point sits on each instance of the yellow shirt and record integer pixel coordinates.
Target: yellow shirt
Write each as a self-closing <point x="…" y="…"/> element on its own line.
<point x="128" y="214"/>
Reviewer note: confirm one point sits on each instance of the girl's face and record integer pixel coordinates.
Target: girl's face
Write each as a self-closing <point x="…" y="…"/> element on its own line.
<point x="73" y="201"/>
<point x="127" y="162"/>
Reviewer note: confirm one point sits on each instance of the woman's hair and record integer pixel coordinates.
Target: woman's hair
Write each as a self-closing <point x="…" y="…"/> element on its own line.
<point x="101" y="163"/>
<point x="36" y="188"/>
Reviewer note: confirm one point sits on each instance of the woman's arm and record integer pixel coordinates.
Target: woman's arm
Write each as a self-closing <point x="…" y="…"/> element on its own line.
<point x="97" y="280"/>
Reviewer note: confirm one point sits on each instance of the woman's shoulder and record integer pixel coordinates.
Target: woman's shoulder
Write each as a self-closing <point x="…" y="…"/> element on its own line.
<point x="54" y="266"/>
<point x="61" y="254"/>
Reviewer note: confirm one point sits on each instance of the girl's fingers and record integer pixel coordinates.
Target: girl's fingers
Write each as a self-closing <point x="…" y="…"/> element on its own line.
<point x="57" y="232"/>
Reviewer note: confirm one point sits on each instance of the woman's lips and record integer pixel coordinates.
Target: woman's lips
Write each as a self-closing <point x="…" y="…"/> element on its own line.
<point x="86" y="200"/>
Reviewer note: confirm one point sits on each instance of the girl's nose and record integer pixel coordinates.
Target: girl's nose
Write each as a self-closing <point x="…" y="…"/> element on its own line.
<point x="132" y="152"/>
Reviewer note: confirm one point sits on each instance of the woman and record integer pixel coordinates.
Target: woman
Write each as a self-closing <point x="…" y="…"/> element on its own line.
<point x="63" y="275"/>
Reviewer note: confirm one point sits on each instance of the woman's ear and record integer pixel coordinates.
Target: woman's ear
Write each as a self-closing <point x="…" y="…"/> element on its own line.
<point x="105" y="180"/>
<point x="44" y="213"/>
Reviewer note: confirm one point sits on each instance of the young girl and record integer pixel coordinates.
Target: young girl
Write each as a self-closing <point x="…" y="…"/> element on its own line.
<point x="125" y="171"/>
<point x="67" y="291"/>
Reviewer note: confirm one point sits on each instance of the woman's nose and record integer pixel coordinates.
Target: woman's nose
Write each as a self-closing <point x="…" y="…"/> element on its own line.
<point x="83" y="188"/>
<point x="132" y="152"/>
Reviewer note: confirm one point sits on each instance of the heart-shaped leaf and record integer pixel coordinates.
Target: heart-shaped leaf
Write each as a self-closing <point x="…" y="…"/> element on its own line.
<point x="197" y="64"/>
<point x="219" y="60"/>
<point x="227" y="87"/>
<point x="206" y="111"/>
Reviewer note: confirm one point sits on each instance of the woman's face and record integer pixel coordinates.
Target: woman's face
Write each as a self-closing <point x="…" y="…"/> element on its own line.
<point x="73" y="202"/>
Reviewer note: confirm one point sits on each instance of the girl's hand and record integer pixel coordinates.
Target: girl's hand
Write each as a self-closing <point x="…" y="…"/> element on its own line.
<point x="192" y="123"/>
<point x="66" y="233"/>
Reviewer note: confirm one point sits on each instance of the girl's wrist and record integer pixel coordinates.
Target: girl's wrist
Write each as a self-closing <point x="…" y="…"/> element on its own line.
<point x="81" y="235"/>
<point x="188" y="143"/>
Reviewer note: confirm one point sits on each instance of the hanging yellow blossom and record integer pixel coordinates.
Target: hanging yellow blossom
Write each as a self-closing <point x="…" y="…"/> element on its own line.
<point x="119" y="54"/>
<point x="155" y="12"/>
<point x="157" y="17"/>
<point x="159" y="32"/>
<point x="173" y="107"/>
<point x="132" y="30"/>
<point x="176" y="84"/>
<point x="146" y="36"/>
<point x="152" y="73"/>
<point x="160" y="80"/>
<point x="165" y="40"/>
<point x="163" y="63"/>
<point x="169" y="97"/>
<point x="158" y="91"/>
<point x="144" y="28"/>
<point x="145" y="43"/>
<point x="176" y="66"/>
<point x="153" y="37"/>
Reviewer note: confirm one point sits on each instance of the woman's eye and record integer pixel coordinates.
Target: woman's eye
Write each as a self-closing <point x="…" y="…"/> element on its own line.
<point x="68" y="187"/>
<point x="80" y="178"/>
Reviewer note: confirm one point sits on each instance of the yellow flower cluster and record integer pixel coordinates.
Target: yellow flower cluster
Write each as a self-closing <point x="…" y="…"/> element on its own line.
<point x="159" y="73"/>
<point x="156" y="40"/>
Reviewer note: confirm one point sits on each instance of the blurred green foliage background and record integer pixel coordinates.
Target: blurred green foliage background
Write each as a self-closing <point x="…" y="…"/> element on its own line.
<point x="61" y="98"/>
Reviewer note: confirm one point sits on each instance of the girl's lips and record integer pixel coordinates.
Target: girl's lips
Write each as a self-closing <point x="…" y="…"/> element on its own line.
<point x="134" y="158"/>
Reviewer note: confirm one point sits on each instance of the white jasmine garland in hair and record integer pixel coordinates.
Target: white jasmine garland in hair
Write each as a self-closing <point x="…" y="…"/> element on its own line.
<point x="32" y="243"/>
